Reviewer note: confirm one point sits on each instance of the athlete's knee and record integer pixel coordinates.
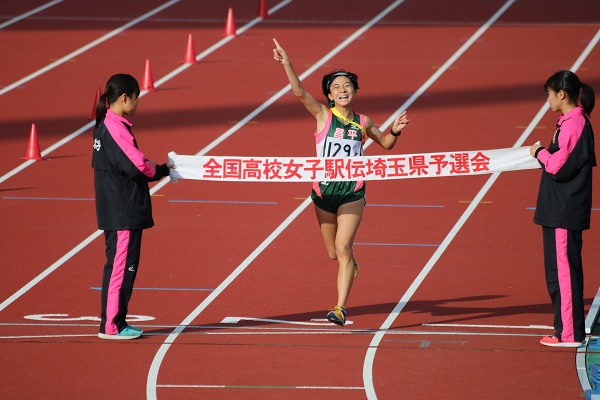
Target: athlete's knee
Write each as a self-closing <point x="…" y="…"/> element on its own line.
<point x="343" y="252"/>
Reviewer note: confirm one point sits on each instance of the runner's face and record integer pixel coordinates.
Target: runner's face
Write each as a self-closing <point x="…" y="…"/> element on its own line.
<point x="341" y="90"/>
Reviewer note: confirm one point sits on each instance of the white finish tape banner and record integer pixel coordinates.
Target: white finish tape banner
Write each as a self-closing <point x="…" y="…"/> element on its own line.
<point x="381" y="167"/>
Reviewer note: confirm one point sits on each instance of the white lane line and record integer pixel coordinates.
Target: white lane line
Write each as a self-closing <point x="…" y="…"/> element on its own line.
<point x="370" y="356"/>
<point x="582" y="369"/>
<point x="368" y="365"/>
<point x="156" y="187"/>
<point x="158" y="358"/>
<point x="265" y="331"/>
<point x="21" y="337"/>
<point x="491" y="326"/>
<point x="580" y="359"/>
<point x="366" y="332"/>
<point x="314" y="322"/>
<point x="592" y="317"/>
<point x="85" y="48"/>
<point x="162" y="351"/>
<point x="157" y="84"/>
<point x="262" y="387"/>
<point x="29" y="13"/>
<point x="49" y="270"/>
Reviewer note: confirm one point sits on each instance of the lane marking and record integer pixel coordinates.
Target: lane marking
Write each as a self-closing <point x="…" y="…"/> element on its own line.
<point x="86" y="128"/>
<point x="223" y="202"/>
<point x="303" y="22"/>
<point x="159" y="357"/>
<point x="481" y="202"/>
<point x="164" y="288"/>
<point x="397" y="244"/>
<point x="49" y="336"/>
<point x="492" y="326"/>
<point x="266" y="331"/>
<point x="49" y="270"/>
<point x="85" y="48"/>
<point x="370" y="355"/>
<point x="592" y="317"/>
<point x="228" y="327"/>
<point x="29" y="13"/>
<point x="341" y="331"/>
<point x="369" y="359"/>
<point x="533" y="209"/>
<point x="405" y="205"/>
<point x="47" y="198"/>
<point x="157" y="84"/>
<point x="65" y="317"/>
<point x="262" y="387"/>
<point x="314" y="322"/>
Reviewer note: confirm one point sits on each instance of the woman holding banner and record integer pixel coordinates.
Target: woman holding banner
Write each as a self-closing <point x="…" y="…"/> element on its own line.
<point x="340" y="132"/>
<point x="123" y="206"/>
<point x="564" y="203"/>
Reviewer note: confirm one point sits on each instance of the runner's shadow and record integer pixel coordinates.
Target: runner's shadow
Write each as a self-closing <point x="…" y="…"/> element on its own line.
<point x="457" y="313"/>
<point x="435" y="309"/>
<point x="432" y="308"/>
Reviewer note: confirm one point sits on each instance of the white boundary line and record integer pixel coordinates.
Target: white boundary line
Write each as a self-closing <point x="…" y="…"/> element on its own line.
<point x="592" y="316"/>
<point x="49" y="270"/>
<point x="85" y="48"/>
<point x="156" y="187"/>
<point x="29" y="13"/>
<point x="306" y="202"/>
<point x="369" y="359"/>
<point x="62" y="60"/>
<point x="370" y="355"/>
<point x="491" y="326"/>
<point x="157" y="84"/>
<point x="581" y="357"/>
<point x="158" y="358"/>
<point x="48" y="336"/>
<point x="283" y="387"/>
<point x="213" y="330"/>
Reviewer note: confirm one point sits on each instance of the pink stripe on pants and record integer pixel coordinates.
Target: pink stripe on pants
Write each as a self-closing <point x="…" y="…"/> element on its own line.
<point x="564" y="282"/>
<point x="116" y="280"/>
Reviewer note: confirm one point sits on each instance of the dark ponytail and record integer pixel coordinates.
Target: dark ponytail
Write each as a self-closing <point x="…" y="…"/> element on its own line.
<point x="588" y="99"/>
<point x="116" y="86"/>
<point x="569" y="83"/>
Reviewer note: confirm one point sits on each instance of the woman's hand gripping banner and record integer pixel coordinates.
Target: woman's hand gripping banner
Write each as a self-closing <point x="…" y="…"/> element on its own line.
<point x="380" y="167"/>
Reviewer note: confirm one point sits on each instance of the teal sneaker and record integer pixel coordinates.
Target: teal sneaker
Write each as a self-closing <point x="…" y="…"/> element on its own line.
<point x="337" y="315"/>
<point x="130" y="332"/>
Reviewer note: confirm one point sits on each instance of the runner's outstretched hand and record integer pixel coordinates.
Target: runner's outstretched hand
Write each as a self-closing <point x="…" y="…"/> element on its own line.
<point x="279" y="54"/>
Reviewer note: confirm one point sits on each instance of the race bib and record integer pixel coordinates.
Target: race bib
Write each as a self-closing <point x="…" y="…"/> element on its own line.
<point x="340" y="148"/>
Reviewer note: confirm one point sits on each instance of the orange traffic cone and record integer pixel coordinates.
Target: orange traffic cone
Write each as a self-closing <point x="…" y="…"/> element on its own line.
<point x="33" y="147"/>
<point x="96" y="98"/>
<point x="190" y="53"/>
<point x="263" y="11"/>
<point x="230" y="25"/>
<point x="148" y="80"/>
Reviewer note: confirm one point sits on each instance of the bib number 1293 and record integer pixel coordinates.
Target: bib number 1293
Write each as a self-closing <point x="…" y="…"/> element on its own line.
<point x="342" y="148"/>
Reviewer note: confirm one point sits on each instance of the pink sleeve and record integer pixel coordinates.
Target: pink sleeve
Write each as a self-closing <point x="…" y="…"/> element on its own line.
<point x="570" y="132"/>
<point x="124" y="140"/>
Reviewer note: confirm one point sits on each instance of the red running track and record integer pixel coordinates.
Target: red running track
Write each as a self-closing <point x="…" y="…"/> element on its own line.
<point x="468" y="326"/>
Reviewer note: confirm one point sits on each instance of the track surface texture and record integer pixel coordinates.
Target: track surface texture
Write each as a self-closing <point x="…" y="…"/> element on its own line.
<point x="235" y="280"/>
